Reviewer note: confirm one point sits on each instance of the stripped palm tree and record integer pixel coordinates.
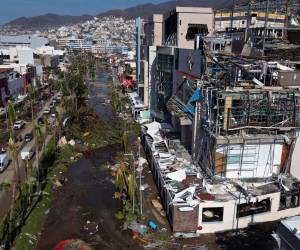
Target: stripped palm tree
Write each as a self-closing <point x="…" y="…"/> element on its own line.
<point x="12" y="144"/>
<point x="36" y="128"/>
<point x="12" y="148"/>
<point x="38" y="135"/>
<point x="31" y="99"/>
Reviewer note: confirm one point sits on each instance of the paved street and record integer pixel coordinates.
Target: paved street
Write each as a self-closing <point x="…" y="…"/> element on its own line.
<point x="7" y="175"/>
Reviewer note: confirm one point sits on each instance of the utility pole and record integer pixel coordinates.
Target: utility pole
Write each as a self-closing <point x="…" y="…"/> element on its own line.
<point x="265" y="26"/>
<point x="133" y="200"/>
<point x="248" y="21"/>
<point x="232" y="13"/>
<point x="196" y="122"/>
<point x="140" y="170"/>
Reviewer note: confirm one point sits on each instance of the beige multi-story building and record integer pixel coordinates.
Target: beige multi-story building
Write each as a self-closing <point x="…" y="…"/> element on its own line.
<point x="153" y="30"/>
<point x="183" y="23"/>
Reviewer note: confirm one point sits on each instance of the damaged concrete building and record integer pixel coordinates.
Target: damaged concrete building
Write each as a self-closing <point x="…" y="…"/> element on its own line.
<point x="259" y="18"/>
<point x="223" y="146"/>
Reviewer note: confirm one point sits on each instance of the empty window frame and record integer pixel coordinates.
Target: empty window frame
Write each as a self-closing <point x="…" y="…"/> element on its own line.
<point x="212" y="214"/>
<point x="195" y="29"/>
<point x="253" y="208"/>
<point x="289" y="200"/>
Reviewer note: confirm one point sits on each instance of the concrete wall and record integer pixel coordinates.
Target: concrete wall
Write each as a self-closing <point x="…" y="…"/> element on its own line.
<point x="229" y="216"/>
<point x="152" y="74"/>
<point x="153" y="30"/>
<point x="251" y="161"/>
<point x="295" y="163"/>
<point x="25" y="56"/>
<point x="145" y="80"/>
<point x="192" y="17"/>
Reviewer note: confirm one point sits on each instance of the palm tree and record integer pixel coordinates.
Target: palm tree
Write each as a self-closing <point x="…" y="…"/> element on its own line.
<point x="120" y="176"/>
<point x="12" y="144"/>
<point x="31" y="98"/>
<point x="36" y="129"/>
<point x="14" y="156"/>
<point x="38" y="135"/>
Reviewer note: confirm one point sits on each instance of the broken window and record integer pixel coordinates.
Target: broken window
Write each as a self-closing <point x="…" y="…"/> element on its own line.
<point x="253" y="208"/>
<point x="195" y="29"/>
<point x="289" y="201"/>
<point x="210" y="214"/>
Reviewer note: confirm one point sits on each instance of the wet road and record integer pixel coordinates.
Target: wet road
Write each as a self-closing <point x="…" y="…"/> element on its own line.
<point x="84" y="204"/>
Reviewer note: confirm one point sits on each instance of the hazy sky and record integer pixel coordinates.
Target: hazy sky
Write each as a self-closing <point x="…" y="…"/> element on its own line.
<point x="11" y="9"/>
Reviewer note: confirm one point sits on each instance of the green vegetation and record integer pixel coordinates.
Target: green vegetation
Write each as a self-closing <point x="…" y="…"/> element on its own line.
<point x="29" y="233"/>
<point x="127" y="214"/>
<point x="91" y="131"/>
<point x="54" y="162"/>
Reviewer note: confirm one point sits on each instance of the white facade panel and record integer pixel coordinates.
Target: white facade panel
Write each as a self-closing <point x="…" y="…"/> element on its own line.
<point x="252" y="161"/>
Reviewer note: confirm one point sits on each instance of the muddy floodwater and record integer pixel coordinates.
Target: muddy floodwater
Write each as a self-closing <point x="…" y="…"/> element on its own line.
<point x="84" y="207"/>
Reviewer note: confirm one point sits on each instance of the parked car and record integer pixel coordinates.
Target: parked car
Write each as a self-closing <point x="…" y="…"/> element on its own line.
<point x="4" y="162"/>
<point x="19" y="124"/>
<point x="58" y="98"/>
<point x="53" y="115"/>
<point x="51" y="105"/>
<point x="27" y="153"/>
<point x="46" y="111"/>
<point x="28" y="137"/>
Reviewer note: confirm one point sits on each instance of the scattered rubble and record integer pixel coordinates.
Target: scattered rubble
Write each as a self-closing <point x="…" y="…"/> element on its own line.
<point x="137" y="227"/>
<point x="91" y="227"/>
<point x="157" y="205"/>
<point x="72" y="143"/>
<point x="62" y="142"/>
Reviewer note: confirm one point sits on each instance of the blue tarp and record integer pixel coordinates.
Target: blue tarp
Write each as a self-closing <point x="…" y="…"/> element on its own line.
<point x="190" y="106"/>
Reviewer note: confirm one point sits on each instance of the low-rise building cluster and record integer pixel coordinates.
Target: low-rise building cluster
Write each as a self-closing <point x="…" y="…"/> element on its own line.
<point x="23" y="62"/>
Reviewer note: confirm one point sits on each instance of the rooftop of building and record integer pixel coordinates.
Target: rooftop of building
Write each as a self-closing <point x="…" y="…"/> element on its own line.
<point x="187" y="183"/>
<point x="293" y="224"/>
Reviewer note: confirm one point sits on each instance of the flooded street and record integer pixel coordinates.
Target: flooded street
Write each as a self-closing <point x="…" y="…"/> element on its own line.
<point x="84" y="207"/>
<point x="100" y="93"/>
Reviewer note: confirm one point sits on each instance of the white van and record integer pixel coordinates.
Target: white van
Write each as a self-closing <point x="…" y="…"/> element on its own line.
<point x="4" y="162"/>
<point x="27" y="153"/>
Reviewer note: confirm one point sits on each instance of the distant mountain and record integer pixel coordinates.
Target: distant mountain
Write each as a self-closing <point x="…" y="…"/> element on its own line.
<point x="143" y="10"/>
<point x="47" y="20"/>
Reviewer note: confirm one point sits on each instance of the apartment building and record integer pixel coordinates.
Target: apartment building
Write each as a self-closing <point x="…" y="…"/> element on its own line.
<point x="13" y="85"/>
<point x="161" y="34"/>
<point x="79" y="44"/>
<point x="183" y="23"/>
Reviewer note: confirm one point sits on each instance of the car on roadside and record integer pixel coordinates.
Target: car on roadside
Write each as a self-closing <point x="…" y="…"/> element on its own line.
<point x="27" y="153"/>
<point x="53" y="115"/>
<point x="28" y="137"/>
<point x="52" y="105"/>
<point x="4" y="162"/>
<point x="58" y="98"/>
<point x="46" y="111"/>
<point x="19" y="124"/>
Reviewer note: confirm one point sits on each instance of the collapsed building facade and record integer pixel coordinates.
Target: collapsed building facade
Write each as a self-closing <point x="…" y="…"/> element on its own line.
<point x="224" y="152"/>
